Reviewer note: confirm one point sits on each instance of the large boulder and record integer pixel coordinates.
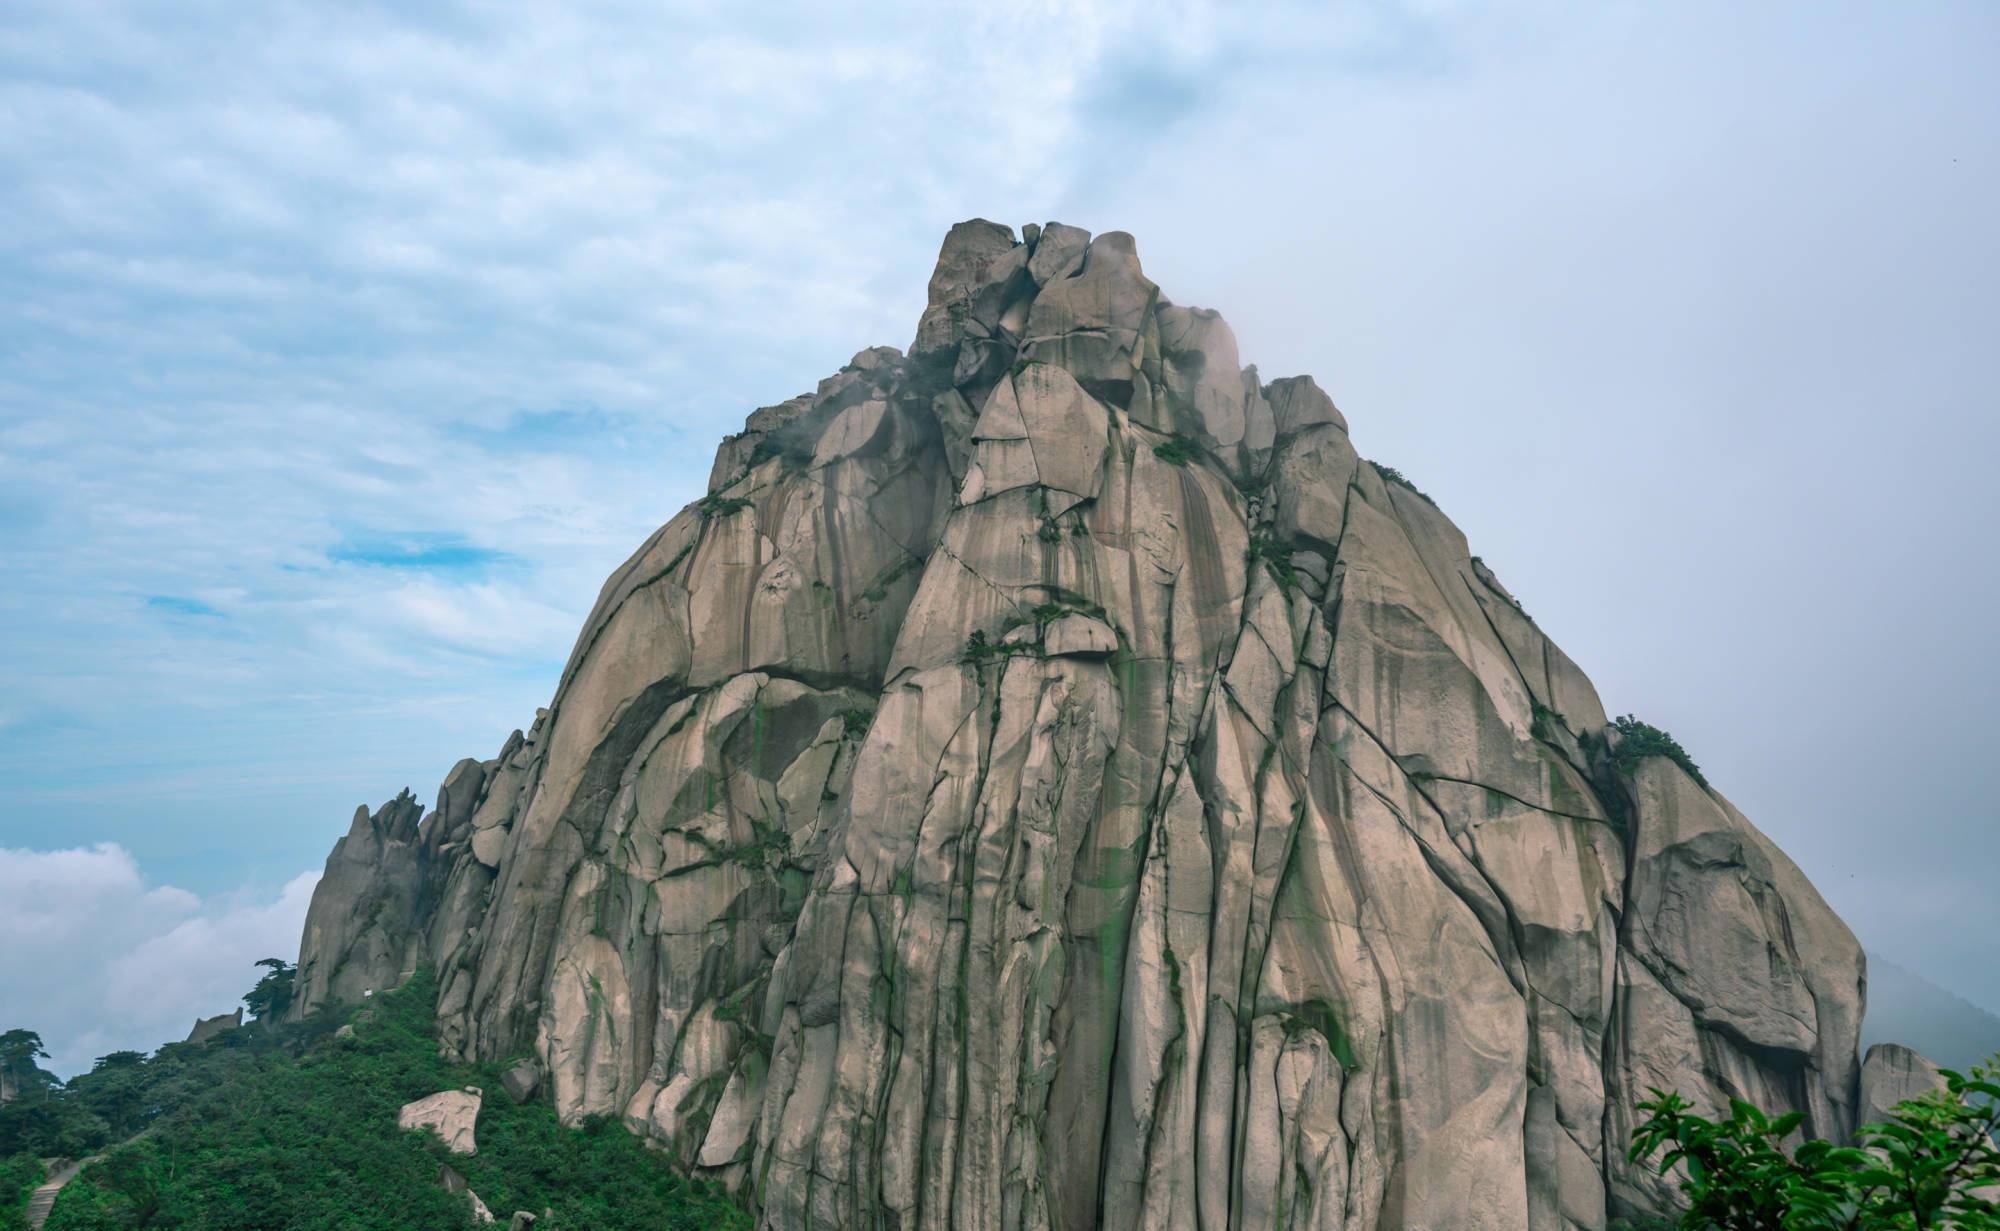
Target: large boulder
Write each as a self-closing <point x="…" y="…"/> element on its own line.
<point x="521" y="1080"/>
<point x="452" y="1114"/>
<point x="1890" y="1076"/>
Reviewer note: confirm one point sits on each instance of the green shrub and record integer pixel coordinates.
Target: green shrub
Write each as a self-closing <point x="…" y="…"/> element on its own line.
<point x="19" y="1177"/>
<point x="1275" y="554"/>
<point x="979" y="651"/>
<point x="249" y="1136"/>
<point x="1176" y="451"/>
<point x="713" y="505"/>
<point x="1932" y="1164"/>
<point x="1639" y="740"/>
<point x="1392" y="475"/>
<point x="788" y="441"/>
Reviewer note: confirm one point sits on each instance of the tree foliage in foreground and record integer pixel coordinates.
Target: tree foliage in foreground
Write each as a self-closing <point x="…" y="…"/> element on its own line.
<point x="18" y="1178"/>
<point x="286" y="1127"/>
<point x="1931" y="1165"/>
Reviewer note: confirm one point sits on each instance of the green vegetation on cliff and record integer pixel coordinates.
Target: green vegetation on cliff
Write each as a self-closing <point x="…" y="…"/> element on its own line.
<point x="291" y="1127"/>
<point x="1638" y="740"/>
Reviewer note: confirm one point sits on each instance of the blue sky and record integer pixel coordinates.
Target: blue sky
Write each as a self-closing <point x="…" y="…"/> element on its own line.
<point x="345" y="348"/>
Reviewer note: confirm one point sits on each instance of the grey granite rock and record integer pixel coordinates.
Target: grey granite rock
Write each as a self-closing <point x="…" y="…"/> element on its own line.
<point x="521" y="1080"/>
<point x="207" y="1028"/>
<point x="1050" y="782"/>
<point x="452" y="1114"/>
<point x="1890" y="1075"/>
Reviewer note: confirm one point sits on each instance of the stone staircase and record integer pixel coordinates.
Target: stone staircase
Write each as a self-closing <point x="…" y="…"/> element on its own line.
<point x="61" y="1172"/>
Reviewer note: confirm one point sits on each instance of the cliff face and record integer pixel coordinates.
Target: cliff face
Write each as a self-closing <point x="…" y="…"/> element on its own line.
<point x="1052" y="781"/>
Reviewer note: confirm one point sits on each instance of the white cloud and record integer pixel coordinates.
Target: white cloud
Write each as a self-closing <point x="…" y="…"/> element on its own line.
<point x="97" y="959"/>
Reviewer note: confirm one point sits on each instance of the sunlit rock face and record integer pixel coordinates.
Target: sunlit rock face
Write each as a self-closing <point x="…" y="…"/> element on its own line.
<point x="1052" y="781"/>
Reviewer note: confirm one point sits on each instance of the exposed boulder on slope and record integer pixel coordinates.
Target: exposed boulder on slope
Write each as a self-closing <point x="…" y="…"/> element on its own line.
<point x="452" y="1114"/>
<point x="1890" y="1075"/>
<point x="1049" y="781"/>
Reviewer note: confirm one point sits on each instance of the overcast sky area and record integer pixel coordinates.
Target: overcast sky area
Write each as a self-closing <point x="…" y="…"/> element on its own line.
<point x="344" y="351"/>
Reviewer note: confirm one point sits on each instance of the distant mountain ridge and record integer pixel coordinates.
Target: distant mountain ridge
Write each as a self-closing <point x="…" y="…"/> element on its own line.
<point x="1904" y="1007"/>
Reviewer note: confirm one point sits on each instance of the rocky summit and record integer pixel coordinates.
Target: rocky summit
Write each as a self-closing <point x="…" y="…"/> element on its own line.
<point x="1051" y="780"/>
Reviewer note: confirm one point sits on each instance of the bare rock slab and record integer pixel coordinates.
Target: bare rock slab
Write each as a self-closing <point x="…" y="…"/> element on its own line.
<point x="452" y="1114"/>
<point x="1893" y="1074"/>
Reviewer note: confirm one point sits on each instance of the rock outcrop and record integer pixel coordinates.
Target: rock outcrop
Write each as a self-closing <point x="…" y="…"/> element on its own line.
<point x="206" y="1028"/>
<point x="521" y="1080"/>
<point x="452" y="1114"/>
<point x="1051" y="780"/>
<point x="1891" y="1075"/>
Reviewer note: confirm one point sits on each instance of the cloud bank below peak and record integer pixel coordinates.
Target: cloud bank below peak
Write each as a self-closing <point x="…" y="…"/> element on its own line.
<point x="100" y="959"/>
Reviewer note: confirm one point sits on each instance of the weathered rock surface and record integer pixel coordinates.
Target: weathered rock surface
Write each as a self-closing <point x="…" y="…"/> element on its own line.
<point x="452" y="1114"/>
<point x="1892" y="1074"/>
<point x="206" y="1028"/>
<point x="1050" y="781"/>
<point x="521" y="1080"/>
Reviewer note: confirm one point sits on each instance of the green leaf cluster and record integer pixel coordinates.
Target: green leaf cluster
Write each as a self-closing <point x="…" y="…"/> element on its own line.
<point x="1275" y="554"/>
<point x="1390" y="474"/>
<point x="788" y="442"/>
<point x="979" y="651"/>
<point x="714" y="505"/>
<point x="19" y="1177"/>
<point x="272" y="996"/>
<point x="1638" y="740"/>
<point x="1932" y="1164"/>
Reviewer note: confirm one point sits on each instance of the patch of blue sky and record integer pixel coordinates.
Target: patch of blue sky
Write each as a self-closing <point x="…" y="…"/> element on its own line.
<point x="425" y="551"/>
<point x="549" y="431"/>
<point x="174" y="604"/>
